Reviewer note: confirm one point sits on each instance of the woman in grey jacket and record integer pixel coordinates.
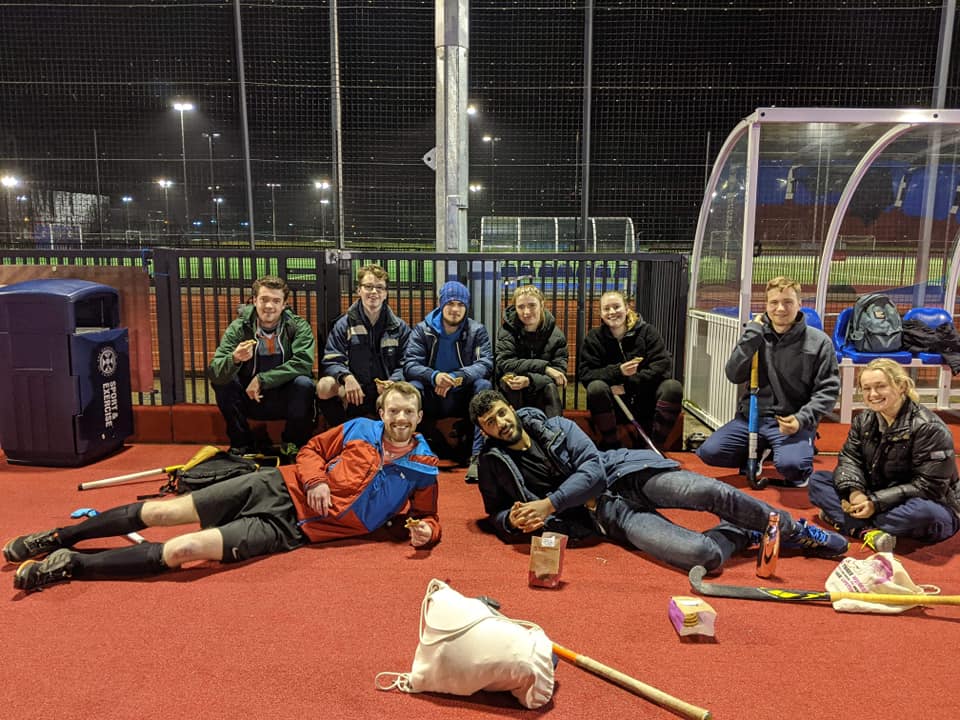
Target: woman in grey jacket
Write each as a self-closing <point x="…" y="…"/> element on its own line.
<point x="897" y="472"/>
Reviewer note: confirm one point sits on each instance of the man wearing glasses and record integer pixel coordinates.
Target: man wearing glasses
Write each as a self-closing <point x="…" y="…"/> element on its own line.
<point x="363" y="352"/>
<point x="263" y="369"/>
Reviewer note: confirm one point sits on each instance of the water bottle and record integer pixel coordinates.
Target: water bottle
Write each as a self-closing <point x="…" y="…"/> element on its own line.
<point x="769" y="547"/>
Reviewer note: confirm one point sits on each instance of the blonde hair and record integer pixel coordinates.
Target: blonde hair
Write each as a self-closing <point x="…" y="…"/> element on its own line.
<point x="378" y="272"/>
<point x="782" y="283"/>
<point x="401" y="387"/>
<point x="535" y="292"/>
<point x="895" y="375"/>
<point x="632" y="315"/>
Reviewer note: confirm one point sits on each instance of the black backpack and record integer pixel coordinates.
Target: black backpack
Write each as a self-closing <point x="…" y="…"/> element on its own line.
<point x="875" y="325"/>
<point x="220" y="467"/>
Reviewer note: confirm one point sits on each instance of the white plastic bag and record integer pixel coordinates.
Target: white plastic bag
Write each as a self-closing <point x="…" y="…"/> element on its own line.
<point x="879" y="573"/>
<point x="466" y="647"/>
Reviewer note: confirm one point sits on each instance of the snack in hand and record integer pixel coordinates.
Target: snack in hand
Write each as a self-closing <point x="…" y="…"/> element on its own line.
<point x="411" y="522"/>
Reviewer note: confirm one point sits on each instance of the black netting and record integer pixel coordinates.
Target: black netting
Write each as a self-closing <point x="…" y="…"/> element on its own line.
<point x="87" y="124"/>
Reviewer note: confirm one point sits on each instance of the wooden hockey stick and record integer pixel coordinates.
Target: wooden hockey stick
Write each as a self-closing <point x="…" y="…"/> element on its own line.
<point x="204" y="453"/>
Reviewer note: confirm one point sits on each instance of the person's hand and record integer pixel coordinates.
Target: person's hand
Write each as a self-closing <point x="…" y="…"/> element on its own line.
<point x="420" y="534"/>
<point x="530" y="516"/>
<point x="558" y="377"/>
<point x="516" y="382"/>
<point x="789" y="425"/>
<point x="631" y="366"/>
<point x="253" y="389"/>
<point x="759" y="318"/>
<point x="318" y="498"/>
<point x="244" y="351"/>
<point x="857" y="497"/>
<point x="352" y="390"/>
<point x="618" y="390"/>
<point x="862" y="510"/>
<point x="444" y="383"/>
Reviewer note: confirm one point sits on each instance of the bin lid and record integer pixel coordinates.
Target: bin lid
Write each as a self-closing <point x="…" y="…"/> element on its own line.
<point x="67" y="288"/>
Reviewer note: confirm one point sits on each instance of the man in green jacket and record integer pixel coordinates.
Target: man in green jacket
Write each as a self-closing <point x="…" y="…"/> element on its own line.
<point x="263" y="369"/>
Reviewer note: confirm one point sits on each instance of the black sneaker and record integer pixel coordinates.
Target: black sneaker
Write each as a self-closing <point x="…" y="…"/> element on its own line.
<point x="30" y="546"/>
<point x="37" y="574"/>
<point x="472" y="475"/>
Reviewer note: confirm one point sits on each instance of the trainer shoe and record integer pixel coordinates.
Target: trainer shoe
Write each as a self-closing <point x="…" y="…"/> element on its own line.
<point x="37" y="574"/>
<point x="797" y="483"/>
<point x="473" y="472"/>
<point x="821" y="542"/>
<point x="879" y="541"/>
<point x="827" y="520"/>
<point x="30" y="546"/>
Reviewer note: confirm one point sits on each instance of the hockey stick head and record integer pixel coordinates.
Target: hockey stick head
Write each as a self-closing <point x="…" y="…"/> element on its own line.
<point x="696" y="575"/>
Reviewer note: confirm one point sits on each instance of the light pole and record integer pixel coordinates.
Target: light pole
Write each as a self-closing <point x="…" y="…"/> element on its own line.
<point x="273" y="208"/>
<point x="493" y="163"/>
<point x="211" y="136"/>
<point x="182" y="107"/>
<point x="165" y="184"/>
<point x="9" y="182"/>
<point x="322" y="186"/>
<point x="126" y="200"/>
<point x="217" y="201"/>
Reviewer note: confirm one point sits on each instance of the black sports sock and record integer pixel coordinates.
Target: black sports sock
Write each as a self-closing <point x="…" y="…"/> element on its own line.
<point x="128" y="562"/>
<point x="116" y="521"/>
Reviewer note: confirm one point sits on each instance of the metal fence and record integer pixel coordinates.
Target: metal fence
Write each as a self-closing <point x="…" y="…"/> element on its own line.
<point x="610" y="106"/>
<point x="196" y="293"/>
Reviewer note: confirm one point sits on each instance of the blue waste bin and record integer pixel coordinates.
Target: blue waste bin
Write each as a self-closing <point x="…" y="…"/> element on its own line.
<point x="64" y="372"/>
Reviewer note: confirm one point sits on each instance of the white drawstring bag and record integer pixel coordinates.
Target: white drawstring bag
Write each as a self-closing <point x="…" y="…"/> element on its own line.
<point x="879" y="573"/>
<point x="466" y="647"/>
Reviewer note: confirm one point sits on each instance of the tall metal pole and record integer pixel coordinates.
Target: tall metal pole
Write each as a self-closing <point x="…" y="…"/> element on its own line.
<point x="336" y="127"/>
<point x="96" y="170"/>
<point x="587" y="111"/>
<point x="244" y="124"/>
<point x="183" y="156"/>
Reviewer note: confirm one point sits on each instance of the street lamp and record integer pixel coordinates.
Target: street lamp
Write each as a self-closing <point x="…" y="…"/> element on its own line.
<point x="9" y="182"/>
<point x="182" y="107"/>
<point x="211" y="136"/>
<point x="273" y="208"/>
<point x="322" y="186"/>
<point x="493" y="162"/>
<point x="165" y="184"/>
<point x="217" y="202"/>
<point x="126" y="200"/>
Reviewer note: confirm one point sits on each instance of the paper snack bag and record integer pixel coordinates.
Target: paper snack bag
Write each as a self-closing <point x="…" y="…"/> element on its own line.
<point x="546" y="559"/>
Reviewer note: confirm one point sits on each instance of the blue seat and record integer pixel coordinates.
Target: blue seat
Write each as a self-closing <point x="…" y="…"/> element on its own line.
<point x="812" y="318"/>
<point x="848" y="351"/>
<point x="932" y="318"/>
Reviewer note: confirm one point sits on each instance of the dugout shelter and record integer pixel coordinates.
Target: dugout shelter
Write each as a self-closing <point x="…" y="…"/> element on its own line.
<point x="846" y="201"/>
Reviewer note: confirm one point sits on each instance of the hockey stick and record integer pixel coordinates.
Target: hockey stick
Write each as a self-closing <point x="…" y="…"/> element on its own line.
<point x="636" y="425"/>
<point x="204" y="453"/>
<point x="648" y="692"/>
<point x="753" y="422"/>
<point x="744" y="592"/>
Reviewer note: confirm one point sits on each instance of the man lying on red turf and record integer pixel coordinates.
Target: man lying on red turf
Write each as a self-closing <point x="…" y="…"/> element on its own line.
<point x="541" y="473"/>
<point x="327" y="495"/>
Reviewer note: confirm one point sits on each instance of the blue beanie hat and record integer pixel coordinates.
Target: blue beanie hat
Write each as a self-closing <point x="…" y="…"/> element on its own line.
<point x="454" y="290"/>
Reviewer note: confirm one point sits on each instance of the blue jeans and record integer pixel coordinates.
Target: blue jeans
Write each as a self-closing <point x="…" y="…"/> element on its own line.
<point x="455" y="404"/>
<point x="629" y="514"/>
<point x="293" y="402"/>
<point x="917" y="518"/>
<point x="792" y="454"/>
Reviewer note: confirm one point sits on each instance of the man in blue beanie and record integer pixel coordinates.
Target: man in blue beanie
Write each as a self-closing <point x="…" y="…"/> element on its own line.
<point x="449" y="358"/>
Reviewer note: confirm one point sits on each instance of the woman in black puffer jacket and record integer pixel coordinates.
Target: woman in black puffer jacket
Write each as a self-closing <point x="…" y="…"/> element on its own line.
<point x="531" y="354"/>
<point x="626" y="356"/>
<point x="897" y="472"/>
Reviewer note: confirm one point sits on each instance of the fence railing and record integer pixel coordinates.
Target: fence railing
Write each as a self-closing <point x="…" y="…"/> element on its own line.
<point x="195" y="293"/>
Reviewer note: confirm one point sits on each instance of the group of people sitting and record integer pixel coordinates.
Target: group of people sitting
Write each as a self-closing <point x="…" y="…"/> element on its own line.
<point x="262" y="367"/>
<point x="896" y="477"/>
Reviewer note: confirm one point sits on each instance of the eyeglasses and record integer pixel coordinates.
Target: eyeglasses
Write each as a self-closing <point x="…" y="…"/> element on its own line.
<point x="374" y="288"/>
